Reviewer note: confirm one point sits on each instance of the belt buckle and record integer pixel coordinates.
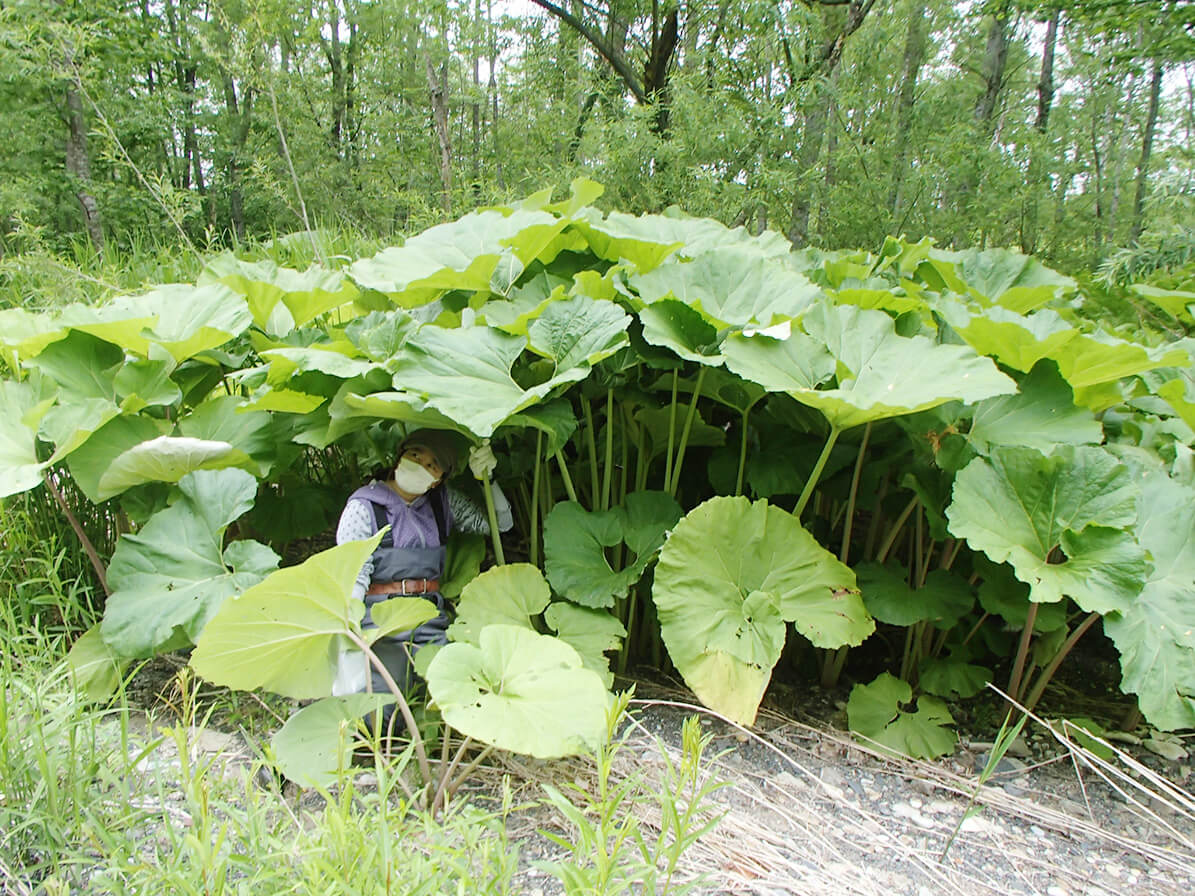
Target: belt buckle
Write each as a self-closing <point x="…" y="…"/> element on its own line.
<point x="404" y="587"/>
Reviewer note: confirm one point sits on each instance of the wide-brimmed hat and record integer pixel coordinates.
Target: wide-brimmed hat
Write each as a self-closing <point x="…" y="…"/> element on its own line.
<point x="446" y="446"/>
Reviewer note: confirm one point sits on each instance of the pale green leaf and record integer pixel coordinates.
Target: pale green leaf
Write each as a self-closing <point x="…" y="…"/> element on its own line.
<point x="314" y="746"/>
<point x="590" y="632"/>
<point x="882" y="374"/>
<point x="520" y="691"/>
<point x="1058" y="520"/>
<point x="578" y="331"/>
<point x="731" y="287"/>
<point x="283" y="633"/>
<point x="734" y="567"/>
<point x="95" y="669"/>
<point x="166" y="459"/>
<point x="171" y="577"/>
<point x="510" y="595"/>
<point x="1155" y="634"/>
<point x="1041" y="416"/>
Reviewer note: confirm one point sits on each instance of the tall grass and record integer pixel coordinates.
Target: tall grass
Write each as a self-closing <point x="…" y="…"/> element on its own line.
<point x="111" y="800"/>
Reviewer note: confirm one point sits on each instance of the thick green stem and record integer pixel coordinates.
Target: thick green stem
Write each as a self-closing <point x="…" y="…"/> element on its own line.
<point x="684" y="438"/>
<point x="568" y="480"/>
<point x="533" y="548"/>
<point x="738" y="482"/>
<point x="1043" y="678"/>
<point x="1018" y="666"/>
<point x="591" y="444"/>
<point x="833" y="662"/>
<point x="608" y="472"/>
<point x="817" y="472"/>
<point x="890" y="538"/>
<point x="400" y="701"/>
<point x="629" y="623"/>
<point x="492" y="514"/>
<point x="671" y="433"/>
<point x="847" y="526"/>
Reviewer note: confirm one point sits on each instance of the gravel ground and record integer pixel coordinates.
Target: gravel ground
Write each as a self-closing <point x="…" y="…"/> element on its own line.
<point x="807" y="811"/>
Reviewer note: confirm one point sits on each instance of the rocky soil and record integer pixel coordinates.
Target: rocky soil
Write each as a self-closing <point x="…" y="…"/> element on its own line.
<point x="806" y="810"/>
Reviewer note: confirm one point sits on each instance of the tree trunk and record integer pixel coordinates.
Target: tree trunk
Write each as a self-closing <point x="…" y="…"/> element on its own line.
<point x="1147" y="143"/>
<point x="437" y="89"/>
<point x="816" y="117"/>
<point x="913" y="60"/>
<point x="78" y="165"/>
<point x="1038" y="182"/>
<point x="995" y="59"/>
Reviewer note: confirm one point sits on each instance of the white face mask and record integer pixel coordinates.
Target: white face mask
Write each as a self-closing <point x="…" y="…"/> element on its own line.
<point x="411" y="477"/>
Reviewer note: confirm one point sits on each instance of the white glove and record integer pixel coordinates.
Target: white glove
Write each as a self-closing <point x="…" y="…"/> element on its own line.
<point x="352" y="670"/>
<point x="482" y="461"/>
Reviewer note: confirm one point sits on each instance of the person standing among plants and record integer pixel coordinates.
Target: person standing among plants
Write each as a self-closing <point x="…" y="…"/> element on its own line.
<point x="421" y="510"/>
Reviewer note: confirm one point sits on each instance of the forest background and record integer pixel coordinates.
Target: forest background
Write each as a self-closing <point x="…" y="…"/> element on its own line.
<point x="1063" y="129"/>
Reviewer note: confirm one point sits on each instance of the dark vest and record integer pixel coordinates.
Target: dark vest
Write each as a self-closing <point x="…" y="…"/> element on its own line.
<point x="391" y="564"/>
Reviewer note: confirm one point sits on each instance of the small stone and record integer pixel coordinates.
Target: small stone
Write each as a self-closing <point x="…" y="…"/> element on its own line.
<point x="911" y="813"/>
<point x="980" y="824"/>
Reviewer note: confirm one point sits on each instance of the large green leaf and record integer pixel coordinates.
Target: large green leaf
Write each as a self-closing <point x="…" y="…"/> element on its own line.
<point x="381" y="335"/>
<point x="674" y="325"/>
<point x="1041" y="416"/>
<point x="1155" y="634"/>
<point x="943" y="600"/>
<point x="314" y="746"/>
<point x="462" y="254"/>
<point x="1059" y="520"/>
<point x="730" y="288"/>
<point x="465" y="374"/>
<point x="284" y="633"/>
<point x="575" y="543"/>
<point x="728" y="576"/>
<point x="1092" y="364"/>
<point x="589" y="632"/>
<point x="578" y="331"/>
<point x="1007" y="278"/>
<point x="170" y="578"/>
<point x="646" y="240"/>
<point x="520" y="691"/>
<point x="509" y="594"/>
<point x="190" y="319"/>
<point x="90" y="462"/>
<point x="305" y="294"/>
<point x="794" y="363"/>
<point x="874" y="711"/>
<point x="166" y="459"/>
<point x="20" y="404"/>
<point x="331" y="359"/>
<point x="96" y="670"/>
<point x="224" y="419"/>
<point x="882" y="374"/>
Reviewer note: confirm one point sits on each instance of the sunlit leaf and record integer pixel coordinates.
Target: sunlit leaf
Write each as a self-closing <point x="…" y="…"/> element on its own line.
<point x="728" y="576"/>
<point x="283" y="633"/>
<point x="520" y="691"/>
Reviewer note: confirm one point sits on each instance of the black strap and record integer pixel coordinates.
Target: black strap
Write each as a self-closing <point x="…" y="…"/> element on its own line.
<point x="380" y="522"/>
<point x="437" y="498"/>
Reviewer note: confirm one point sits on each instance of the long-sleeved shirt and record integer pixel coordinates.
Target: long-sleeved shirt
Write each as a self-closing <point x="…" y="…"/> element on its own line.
<point x="414" y="524"/>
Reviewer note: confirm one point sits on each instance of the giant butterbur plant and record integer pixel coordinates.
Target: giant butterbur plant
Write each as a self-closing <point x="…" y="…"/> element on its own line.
<point x="711" y="443"/>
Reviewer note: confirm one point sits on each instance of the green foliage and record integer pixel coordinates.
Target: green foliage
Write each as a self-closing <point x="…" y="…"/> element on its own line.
<point x="628" y="362"/>
<point x="875" y="712"/>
